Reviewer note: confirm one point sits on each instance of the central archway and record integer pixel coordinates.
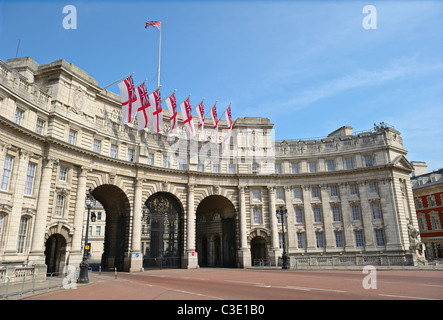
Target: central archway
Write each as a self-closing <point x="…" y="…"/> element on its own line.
<point x="216" y="232"/>
<point x="117" y="207"/>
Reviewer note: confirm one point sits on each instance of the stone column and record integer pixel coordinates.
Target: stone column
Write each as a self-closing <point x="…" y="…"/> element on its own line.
<point x="276" y="251"/>
<point x="136" y="260"/>
<point x="245" y="253"/>
<point x="191" y="255"/>
<point x="37" y="255"/>
<point x="291" y="239"/>
<point x="75" y="256"/>
<point x="327" y="219"/>
<point x="311" y="242"/>
<point x="366" y="212"/>
<point x="12" y="228"/>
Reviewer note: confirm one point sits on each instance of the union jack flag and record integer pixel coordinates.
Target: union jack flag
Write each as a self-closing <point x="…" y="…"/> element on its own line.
<point x="153" y="24"/>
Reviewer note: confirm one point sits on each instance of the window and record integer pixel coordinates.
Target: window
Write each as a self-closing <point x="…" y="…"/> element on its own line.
<point x="257" y="216"/>
<point x="278" y="168"/>
<point x="19" y="113"/>
<point x="150" y="159"/>
<point x="333" y="191"/>
<point x="98" y="230"/>
<point x="359" y="242"/>
<point x="295" y="168"/>
<point x="297" y="193"/>
<point x="232" y="168"/>
<point x="355" y="213"/>
<point x="317" y="215"/>
<point x="130" y="155"/>
<point x="59" y="205"/>
<point x="279" y="193"/>
<point x="255" y="167"/>
<point x="255" y="194"/>
<point x="30" y="178"/>
<point x="7" y="168"/>
<point x="114" y="151"/>
<point x="72" y="137"/>
<point x="97" y="146"/>
<point x="336" y="214"/>
<point x="422" y="224"/>
<point x="368" y="161"/>
<point x="349" y="163"/>
<point x="330" y="164"/>
<point x="312" y="167"/>
<point x="373" y="187"/>
<point x="301" y="240"/>
<point x="298" y="215"/>
<point x="419" y="203"/>
<point x="63" y="173"/>
<point x="339" y="239"/>
<point x="376" y="213"/>
<point x="431" y="201"/>
<point x="435" y="223"/>
<point x="380" y="238"/>
<point x="22" y="232"/>
<point x="315" y="192"/>
<point x="99" y="215"/>
<point x="215" y="167"/>
<point x="182" y="164"/>
<point x="165" y="162"/>
<point x="320" y="240"/>
<point x="1" y="224"/>
<point x="200" y="166"/>
<point x="353" y="189"/>
<point x="40" y="126"/>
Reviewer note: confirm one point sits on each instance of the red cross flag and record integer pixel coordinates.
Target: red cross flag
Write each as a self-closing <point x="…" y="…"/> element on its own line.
<point x="172" y="107"/>
<point x="144" y="112"/>
<point x="227" y="137"/>
<point x="157" y="111"/>
<point x="187" y="117"/>
<point x="201" y="120"/>
<point x="128" y="97"/>
<point x="215" y="120"/>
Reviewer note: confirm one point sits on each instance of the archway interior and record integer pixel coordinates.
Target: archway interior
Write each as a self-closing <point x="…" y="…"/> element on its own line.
<point x="162" y="232"/>
<point x="117" y="207"/>
<point x="216" y="232"/>
<point x="55" y="251"/>
<point x="258" y="250"/>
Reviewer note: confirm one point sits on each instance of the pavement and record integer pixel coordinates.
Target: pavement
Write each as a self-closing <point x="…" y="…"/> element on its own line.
<point x="218" y="284"/>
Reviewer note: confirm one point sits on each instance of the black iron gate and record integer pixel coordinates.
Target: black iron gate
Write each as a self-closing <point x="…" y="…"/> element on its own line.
<point x="163" y="226"/>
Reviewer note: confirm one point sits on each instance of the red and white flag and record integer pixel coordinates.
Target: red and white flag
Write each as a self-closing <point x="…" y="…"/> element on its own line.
<point x="187" y="117"/>
<point x="201" y="120"/>
<point x="215" y="120"/>
<point x="143" y="107"/>
<point x="157" y="111"/>
<point x="172" y="108"/>
<point x="227" y="137"/>
<point x="128" y="97"/>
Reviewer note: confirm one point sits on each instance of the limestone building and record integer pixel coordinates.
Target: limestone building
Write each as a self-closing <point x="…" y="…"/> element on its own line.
<point x="187" y="203"/>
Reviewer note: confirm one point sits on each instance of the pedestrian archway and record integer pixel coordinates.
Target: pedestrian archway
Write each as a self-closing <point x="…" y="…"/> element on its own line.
<point x="55" y="253"/>
<point x="216" y="232"/>
<point x="117" y="207"/>
<point x="258" y="251"/>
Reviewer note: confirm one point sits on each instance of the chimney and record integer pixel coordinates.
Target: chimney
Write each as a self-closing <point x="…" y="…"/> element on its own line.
<point x="420" y="167"/>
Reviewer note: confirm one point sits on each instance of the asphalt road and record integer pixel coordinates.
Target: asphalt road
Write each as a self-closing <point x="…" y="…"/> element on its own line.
<point x="256" y="285"/>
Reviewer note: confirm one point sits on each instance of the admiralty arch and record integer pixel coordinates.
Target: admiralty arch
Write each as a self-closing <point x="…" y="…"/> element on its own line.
<point x="347" y="196"/>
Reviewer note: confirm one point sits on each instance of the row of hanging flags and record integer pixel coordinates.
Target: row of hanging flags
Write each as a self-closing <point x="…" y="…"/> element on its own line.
<point x="146" y="107"/>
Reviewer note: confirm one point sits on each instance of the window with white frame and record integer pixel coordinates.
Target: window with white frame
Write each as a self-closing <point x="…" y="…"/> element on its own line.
<point x="130" y="155"/>
<point x="40" y="126"/>
<point x="30" y="174"/>
<point x="165" y="162"/>
<point x="19" y="114"/>
<point x="114" y="151"/>
<point x="182" y="164"/>
<point x="298" y="215"/>
<point x="255" y="167"/>
<point x="278" y="168"/>
<point x="312" y="166"/>
<point x="279" y="193"/>
<point x="7" y="169"/>
<point x="295" y="168"/>
<point x="22" y="234"/>
<point x="317" y="214"/>
<point x="150" y="160"/>
<point x="422" y="224"/>
<point x="257" y="215"/>
<point x="63" y="173"/>
<point x="97" y="146"/>
<point x="98" y="230"/>
<point x="255" y="194"/>
<point x="72" y="139"/>
<point x="301" y="240"/>
<point x="59" y="205"/>
<point x="330" y="165"/>
<point x="431" y="201"/>
<point x="419" y="203"/>
<point x="297" y="193"/>
<point x="435" y="222"/>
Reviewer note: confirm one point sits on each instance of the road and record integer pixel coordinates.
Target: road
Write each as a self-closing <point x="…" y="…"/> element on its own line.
<point x="247" y="284"/>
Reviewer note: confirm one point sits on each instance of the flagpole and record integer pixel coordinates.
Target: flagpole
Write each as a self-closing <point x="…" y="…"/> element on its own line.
<point x="159" y="54"/>
<point x="119" y="80"/>
<point x="140" y="83"/>
<point x="225" y="110"/>
<point x="169" y="95"/>
<point x="198" y="104"/>
<point x="184" y="100"/>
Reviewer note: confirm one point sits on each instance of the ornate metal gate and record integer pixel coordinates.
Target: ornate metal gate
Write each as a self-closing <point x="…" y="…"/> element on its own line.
<point x="162" y="232"/>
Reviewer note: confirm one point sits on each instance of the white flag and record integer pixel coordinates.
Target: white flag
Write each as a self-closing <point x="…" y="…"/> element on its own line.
<point x="128" y="97"/>
<point x="157" y="111"/>
<point x="188" y="122"/>
<point x="227" y="137"/>
<point x="143" y="108"/>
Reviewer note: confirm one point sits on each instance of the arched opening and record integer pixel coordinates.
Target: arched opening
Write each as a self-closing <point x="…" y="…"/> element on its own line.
<point x="117" y="208"/>
<point x="162" y="231"/>
<point x="258" y="251"/>
<point x="216" y="223"/>
<point x="55" y="253"/>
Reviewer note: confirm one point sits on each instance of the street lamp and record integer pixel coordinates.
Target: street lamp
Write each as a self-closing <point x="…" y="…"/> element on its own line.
<point x="83" y="277"/>
<point x="282" y="214"/>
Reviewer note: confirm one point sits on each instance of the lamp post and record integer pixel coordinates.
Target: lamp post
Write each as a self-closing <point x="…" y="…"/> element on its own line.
<point x="83" y="277"/>
<point x="282" y="214"/>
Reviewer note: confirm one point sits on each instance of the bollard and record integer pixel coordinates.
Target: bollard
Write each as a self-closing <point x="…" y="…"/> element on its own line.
<point x="23" y="286"/>
<point x="99" y="270"/>
<point x="115" y="272"/>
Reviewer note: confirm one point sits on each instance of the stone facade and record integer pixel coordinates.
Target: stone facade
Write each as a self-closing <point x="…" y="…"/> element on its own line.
<point x="348" y="196"/>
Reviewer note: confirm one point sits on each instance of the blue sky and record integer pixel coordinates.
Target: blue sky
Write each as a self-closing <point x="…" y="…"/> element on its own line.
<point x="308" y="66"/>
